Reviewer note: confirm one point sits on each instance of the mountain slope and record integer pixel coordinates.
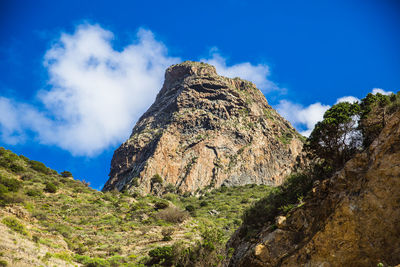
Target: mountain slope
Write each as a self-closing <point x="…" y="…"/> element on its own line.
<point x="351" y="219"/>
<point x="48" y="219"/>
<point x="204" y="131"/>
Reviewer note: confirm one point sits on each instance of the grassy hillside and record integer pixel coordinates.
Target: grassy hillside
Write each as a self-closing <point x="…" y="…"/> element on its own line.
<point x="51" y="219"/>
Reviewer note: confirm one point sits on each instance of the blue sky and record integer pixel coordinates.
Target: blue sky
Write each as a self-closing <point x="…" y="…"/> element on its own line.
<point x="76" y="75"/>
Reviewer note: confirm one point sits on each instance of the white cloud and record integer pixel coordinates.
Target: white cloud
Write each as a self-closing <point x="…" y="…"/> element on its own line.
<point x="95" y="92"/>
<point x="350" y="99"/>
<point x="303" y="118"/>
<point x="381" y="91"/>
<point x="258" y="74"/>
<point x="11" y="131"/>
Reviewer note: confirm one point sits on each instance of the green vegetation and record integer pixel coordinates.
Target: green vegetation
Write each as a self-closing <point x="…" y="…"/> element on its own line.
<point x="157" y="179"/>
<point x="336" y="138"/>
<point x="15" y="225"/>
<point x="50" y="187"/>
<point x="348" y="128"/>
<point x="66" y="174"/>
<point x="117" y="229"/>
<point x="279" y="201"/>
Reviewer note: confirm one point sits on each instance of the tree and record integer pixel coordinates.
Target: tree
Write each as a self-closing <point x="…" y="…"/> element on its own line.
<point x="373" y="116"/>
<point x="336" y="138"/>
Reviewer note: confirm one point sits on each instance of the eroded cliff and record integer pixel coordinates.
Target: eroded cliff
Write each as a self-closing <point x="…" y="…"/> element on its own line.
<point x="351" y="219"/>
<point x="205" y="130"/>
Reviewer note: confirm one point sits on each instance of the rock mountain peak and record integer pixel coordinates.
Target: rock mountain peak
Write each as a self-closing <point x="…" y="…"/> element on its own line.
<point x="204" y="131"/>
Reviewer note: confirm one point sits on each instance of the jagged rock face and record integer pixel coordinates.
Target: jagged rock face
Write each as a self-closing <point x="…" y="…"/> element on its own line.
<point x="205" y="130"/>
<point x="351" y="219"/>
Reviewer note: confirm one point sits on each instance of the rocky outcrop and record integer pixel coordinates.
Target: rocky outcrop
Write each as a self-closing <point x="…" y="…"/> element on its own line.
<point x="351" y="219"/>
<point x="205" y="130"/>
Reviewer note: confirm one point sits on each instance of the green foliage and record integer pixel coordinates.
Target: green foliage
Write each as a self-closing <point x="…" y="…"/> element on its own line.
<point x="157" y="179"/>
<point x="34" y="192"/>
<point x="66" y="174"/>
<point x="7" y="158"/>
<point x="161" y="255"/>
<point x="40" y="167"/>
<point x="336" y="138"/>
<point x="212" y="238"/>
<point x="50" y="187"/>
<point x="375" y="111"/>
<point x="348" y="128"/>
<point x="190" y="208"/>
<point x="3" y="263"/>
<point x="9" y="191"/>
<point x="167" y="233"/>
<point x="160" y="205"/>
<point x="203" y="203"/>
<point x="170" y="188"/>
<point x="96" y="225"/>
<point x="15" y="225"/>
<point x="172" y="215"/>
<point x="280" y="200"/>
<point x="209" y="251"/>
<point x="16" y="168"/>
<point x="286" y="138"/>
<point x="12" y="185"/>
<point x="91" y="262"/>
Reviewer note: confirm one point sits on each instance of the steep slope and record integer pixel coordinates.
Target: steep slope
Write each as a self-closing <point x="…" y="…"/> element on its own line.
<point x="205" y="130"/>
<point x="351" y="219"/>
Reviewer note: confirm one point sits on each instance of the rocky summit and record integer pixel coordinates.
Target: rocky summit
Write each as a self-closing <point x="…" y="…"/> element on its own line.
<point x="204" y="131"/>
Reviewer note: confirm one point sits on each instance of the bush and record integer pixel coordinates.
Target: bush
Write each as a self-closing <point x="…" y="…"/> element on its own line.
<point x="160" y="205"/>
<point x="34" y="192"/>
<point x="40" y="167"/>
<point x="157" y="179"/>
<point x="191" y="209"/>
<point x="15" y="225"/>
<point x="11" y="197"/>
<point x="161" y="255"/>
<point x="170" y="188"/>
<point x="16" y="168"/>
<point x="172" y="215"/>
<point x="50" y="188"/>
<point x="167" y="233"/>
<point x="3" y="263"/>
<point x="13" y="185"/>
<point x="278" y="200"/>
<point x="203" y="203"/>
<point x="66" y="174"/>
<point x="91" y="262"/>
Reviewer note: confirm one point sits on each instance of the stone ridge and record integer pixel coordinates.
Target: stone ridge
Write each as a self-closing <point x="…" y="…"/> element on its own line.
<point x="203" y="131"/>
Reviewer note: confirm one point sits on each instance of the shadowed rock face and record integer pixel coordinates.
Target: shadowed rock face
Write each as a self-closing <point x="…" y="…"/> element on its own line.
<point x="351" y="219"/>
<point x="205" y="130"/>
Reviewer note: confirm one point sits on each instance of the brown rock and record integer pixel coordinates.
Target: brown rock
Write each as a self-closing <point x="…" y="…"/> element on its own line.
<point x="280" y="221"/>
<point x="351" y="219"/>
<point x="205" y="130"/>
